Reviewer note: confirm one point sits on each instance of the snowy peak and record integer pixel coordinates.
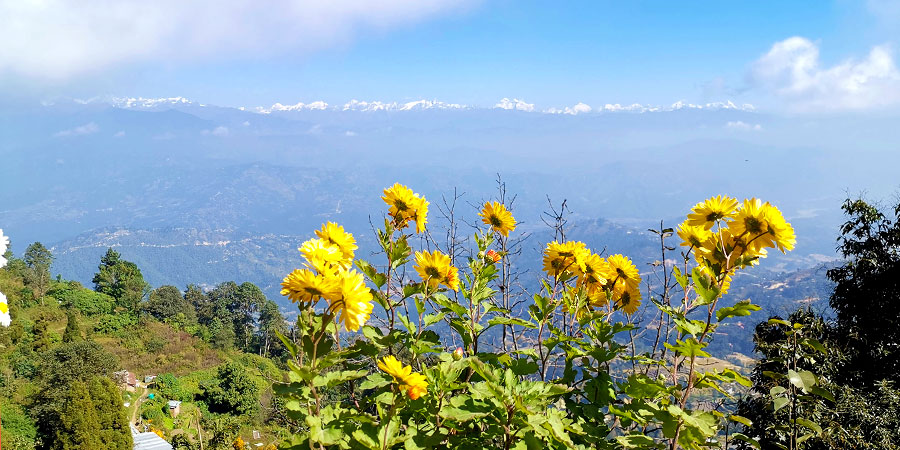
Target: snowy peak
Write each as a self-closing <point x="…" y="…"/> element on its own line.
<point x="148" y="103"/>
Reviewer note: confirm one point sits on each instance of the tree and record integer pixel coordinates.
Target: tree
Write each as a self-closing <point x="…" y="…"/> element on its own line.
<point x="166" y="303"/>
<point x="41" y="332"/>
<point x="78" y="427"/>
<point x="120" y="279"/>
<point x="115" y="432"/>
<point x="866" y="293"/>
<point x="73" y="330"/>
<point x="271" y="321"/>
<point x="58" y="372"/>
<point x="38" y="259"/>
<point x="233" y="391"/>
<point x="243" y="310"/>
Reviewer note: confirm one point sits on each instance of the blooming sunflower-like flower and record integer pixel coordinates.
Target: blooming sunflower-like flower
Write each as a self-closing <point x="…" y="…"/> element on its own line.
<point x="706" y="213"/>
<point x="303" y="285"/>
<point x="693" y="237"/>
<point x="622" y="271"/>
<point x="405" y="205"/>
<point x="498" y="218"/>
<point x="323" y="256"/>
<point x="564" y="258"/>
<point x="353" y="302"/>
<point x="434" y="268"/>
<point x="782" y="233"/>
<point x="752" y="221"/>
<point x="413" y="384"/>
<point x="628" y="299"/>
<point x="335" y="235"/>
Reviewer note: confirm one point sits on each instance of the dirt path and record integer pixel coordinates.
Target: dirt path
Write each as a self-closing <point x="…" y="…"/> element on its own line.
<point x="137" y="405"/>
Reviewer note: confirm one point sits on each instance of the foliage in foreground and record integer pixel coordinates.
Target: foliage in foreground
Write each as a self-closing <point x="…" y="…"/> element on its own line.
<point x="562" y="371"/>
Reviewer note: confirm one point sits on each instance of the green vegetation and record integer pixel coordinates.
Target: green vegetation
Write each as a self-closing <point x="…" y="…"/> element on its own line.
<point x="62" y="384"/>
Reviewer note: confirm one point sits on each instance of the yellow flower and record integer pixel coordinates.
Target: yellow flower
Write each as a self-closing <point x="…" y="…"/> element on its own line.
<point x="593" y="271"/>
<point x="413" y="384"/>
<point x="692" y="236"/>
<point x="752" y="221"/>
<point x="421" y="215"/>
<point x="622" y="270"/>
<point x="706" y="213"/>
<point x="628" y="299"/>
<point x="335" y="235"/>
<point x="405" y="206"/>
<point x="498" y="217"/>
<point x="354" y="302"/>
<point x="781" y="231"/>
<point x="303" y="285"/>
<point x="565" y="258"/>
<point x="434" y="268"/>
<point x="323" y="257"/>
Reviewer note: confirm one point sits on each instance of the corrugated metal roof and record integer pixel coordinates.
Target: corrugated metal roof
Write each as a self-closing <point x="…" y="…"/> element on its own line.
<point x="148" y="441"/>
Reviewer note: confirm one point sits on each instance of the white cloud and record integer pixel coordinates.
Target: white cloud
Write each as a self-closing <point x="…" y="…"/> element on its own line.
<point x="59" y="38"/>
<point x="120" y="134"/>
<point x="516" y="104"/>
<point x="793" y="72"/>
<point x="88" y="128"/>
<point x="743" y="126"/>
<point x="220" y="131"/>
<point x="349" y="133"/>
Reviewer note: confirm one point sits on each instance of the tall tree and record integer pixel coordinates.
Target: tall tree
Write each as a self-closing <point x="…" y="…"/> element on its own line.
<point x="73" y="330"/>
<point x="115" y="432"/>
<point x="866" y="296"/>
<point x="271" y="321"/>
<point x="121" y="280"/>
<point x="78" y="427"/>
<point x="38" y="259"/>
<point x="243" y="310"/>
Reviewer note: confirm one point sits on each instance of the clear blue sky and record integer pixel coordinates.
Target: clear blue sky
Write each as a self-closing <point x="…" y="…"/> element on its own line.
<point x="548" y="53"/>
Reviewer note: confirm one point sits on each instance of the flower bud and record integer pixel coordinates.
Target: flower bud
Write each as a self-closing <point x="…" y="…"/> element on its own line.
<point x="458" y="354"/>
<point x="493" y="256"/>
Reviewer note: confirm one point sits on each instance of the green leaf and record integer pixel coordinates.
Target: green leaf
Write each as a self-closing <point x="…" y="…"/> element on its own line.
<point x="779" y="322"/>
<point x="431" y="319"/>
<point x="804" y="379"/>
<point x="742" y="308"/>
<point x="689" y="347"/>
<point x="680" y="277"/>
<point x="821" y="392"/>
<point x="779" y="403"/>
<point x="741" y="420"/>
<point x="705" y="286"/>
<point x="636" y="441"/>
<point x="809" y="424"/>
<point x="407" y="323"/>
<point x="331" y="379"/>
<point x="743" y="437"/>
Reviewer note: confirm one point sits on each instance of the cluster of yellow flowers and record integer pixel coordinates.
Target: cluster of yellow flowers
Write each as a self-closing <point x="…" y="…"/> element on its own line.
<point x="725" y="236"/>
<point x="601" y="278"/>
<point x="413" y="384"/>
<point x="405" y="205"/>
<point x="328" y="276"/>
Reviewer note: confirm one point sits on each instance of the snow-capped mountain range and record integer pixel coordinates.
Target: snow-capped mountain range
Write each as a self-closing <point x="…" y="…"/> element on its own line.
<point x="513" y="104"/>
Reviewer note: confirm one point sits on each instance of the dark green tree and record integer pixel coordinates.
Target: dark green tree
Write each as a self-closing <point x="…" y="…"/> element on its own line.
<point x="41" y="334"/>
<point x="121" y="280"/>
<point x="38" y="259"/>
<point x="232" y="392"/>
<point x="73" y="330"/>
<point x="866" y="296"/>
<point x="115" y="432"/>
<point x="271" y="322"/>
<point x="166" y="303"/>
<point x="243" y="309"/>
<point x="78" y="427"/>
<point x="58" y="371"/>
